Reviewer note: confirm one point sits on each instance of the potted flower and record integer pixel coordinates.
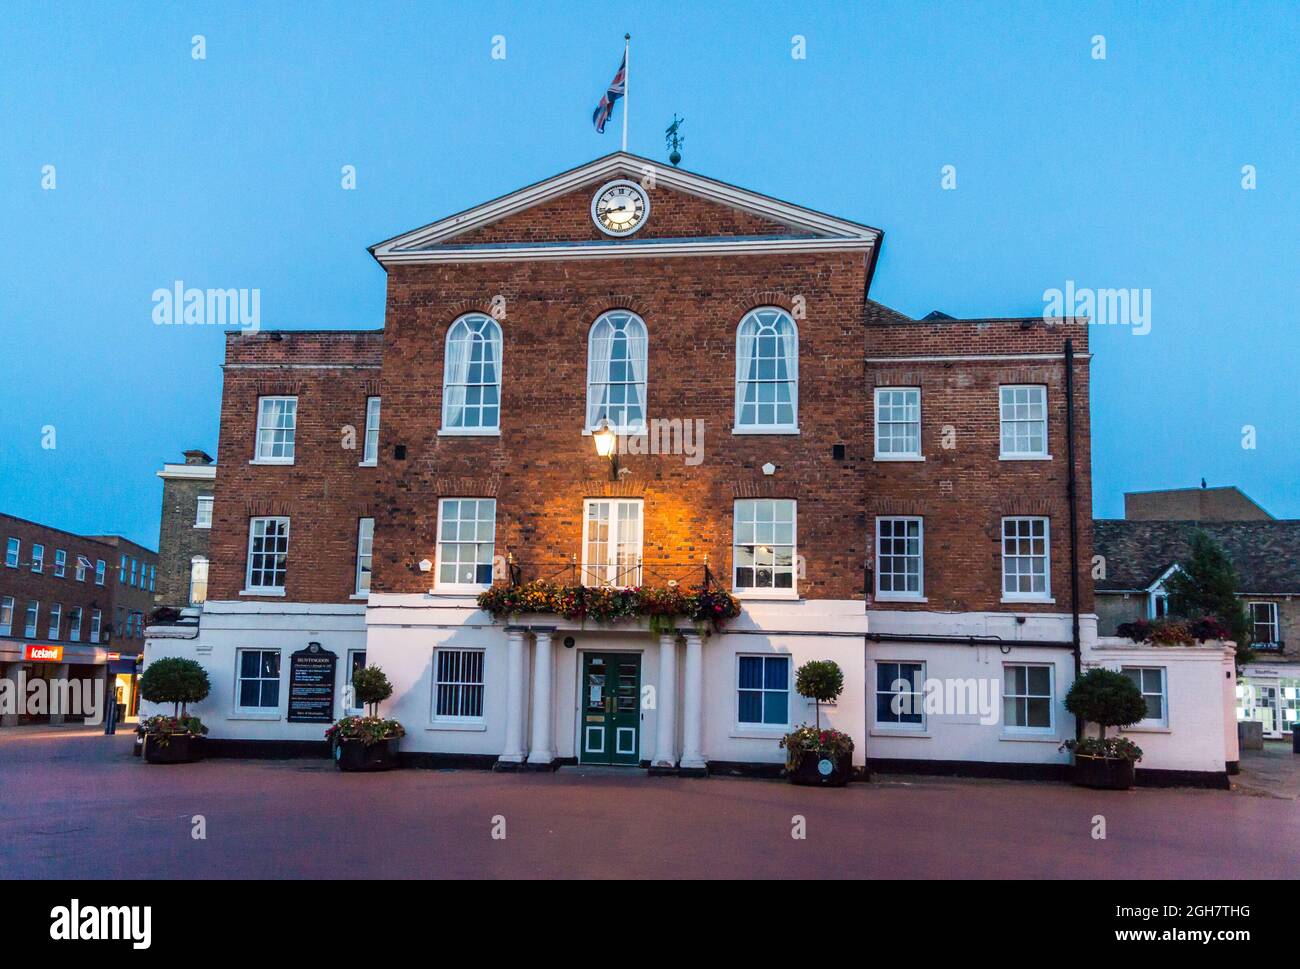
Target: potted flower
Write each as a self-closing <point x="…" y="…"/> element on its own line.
<point x="366" y="743"/>
<point x="812" y="755"/>
<point x="175" y="739"/>
<point x="1108" y="699"/>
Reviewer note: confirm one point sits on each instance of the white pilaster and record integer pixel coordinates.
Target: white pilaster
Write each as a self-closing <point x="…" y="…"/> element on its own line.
<point x="693" y="704"/>
<point x="542" y="750"/>
<point x="666" y="704"/>
<point x="514" y="752"/>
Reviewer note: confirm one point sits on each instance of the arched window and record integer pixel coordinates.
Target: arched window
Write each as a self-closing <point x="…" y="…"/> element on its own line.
<point x="616" y="366"/>
<point x="471" y="376"/>
<point x="767" y="371"/>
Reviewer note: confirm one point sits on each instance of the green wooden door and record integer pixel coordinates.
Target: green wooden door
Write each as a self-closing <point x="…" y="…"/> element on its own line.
<point x="611" y="709"/>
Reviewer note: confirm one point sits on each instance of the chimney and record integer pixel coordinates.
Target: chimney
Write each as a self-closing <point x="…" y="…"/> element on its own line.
<point x="198" y="457"/>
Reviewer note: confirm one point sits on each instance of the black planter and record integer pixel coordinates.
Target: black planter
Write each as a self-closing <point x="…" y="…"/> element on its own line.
<point x="823" y="770"/>
<point x="1102" y="774"/>
<point x="180" y="748"/>
<point x="353" y="755"/>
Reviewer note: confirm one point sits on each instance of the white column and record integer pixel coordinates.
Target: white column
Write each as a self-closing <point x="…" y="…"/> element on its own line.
<point x="666" y="705"/>
<point x="514" y="752"/>
<point x="542" y="750"/>
<point x="693" y="704"/>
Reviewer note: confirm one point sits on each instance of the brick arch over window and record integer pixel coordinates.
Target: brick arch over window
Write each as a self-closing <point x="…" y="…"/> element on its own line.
<point x="756" y="298"/>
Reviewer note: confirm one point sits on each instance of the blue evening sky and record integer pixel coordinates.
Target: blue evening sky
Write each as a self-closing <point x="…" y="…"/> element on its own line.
<point x="225" y="172"/>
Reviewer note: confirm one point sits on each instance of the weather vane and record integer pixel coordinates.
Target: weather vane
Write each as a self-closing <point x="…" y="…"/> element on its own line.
<point x="674" y="139"/>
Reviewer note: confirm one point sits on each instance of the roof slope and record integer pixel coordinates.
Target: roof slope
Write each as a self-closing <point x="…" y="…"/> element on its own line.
<point x="1266" y="554"/>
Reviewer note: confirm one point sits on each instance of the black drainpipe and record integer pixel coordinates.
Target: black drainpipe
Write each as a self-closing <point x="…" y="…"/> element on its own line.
<point x="1073" y="493"/>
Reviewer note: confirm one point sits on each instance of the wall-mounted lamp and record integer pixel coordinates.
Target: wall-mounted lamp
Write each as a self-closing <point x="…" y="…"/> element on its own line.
<point x="607" y="446"/>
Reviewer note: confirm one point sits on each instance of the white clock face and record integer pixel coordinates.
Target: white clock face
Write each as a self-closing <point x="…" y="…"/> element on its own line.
<point x="620" y="208"/>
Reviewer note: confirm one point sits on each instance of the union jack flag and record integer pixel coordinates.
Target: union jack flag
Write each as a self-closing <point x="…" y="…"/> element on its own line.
<point x="617" y="88"/>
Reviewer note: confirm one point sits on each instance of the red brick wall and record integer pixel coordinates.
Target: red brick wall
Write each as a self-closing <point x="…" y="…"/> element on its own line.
<point x="964" y="491"/>
<point x="542" y="467"/>
<point x="672" y="214"/>
<point x="324" y="492"/>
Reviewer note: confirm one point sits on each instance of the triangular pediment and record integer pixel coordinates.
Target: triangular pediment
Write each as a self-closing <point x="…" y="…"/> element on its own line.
<point x="689" y="214"/>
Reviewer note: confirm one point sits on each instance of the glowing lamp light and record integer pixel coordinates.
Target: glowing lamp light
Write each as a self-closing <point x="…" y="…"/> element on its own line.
<point x="605" y="439"/>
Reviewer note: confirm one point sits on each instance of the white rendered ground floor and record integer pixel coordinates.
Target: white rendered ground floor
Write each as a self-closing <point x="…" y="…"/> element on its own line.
<point x="924" y="692"/>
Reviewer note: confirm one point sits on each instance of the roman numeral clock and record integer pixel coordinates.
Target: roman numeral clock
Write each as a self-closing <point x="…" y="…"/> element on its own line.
<point x="620" y="207"/>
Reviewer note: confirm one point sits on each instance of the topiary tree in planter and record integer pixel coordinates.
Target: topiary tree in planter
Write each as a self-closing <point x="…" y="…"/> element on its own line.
<point x="366" y="743"/>
<point x="821" y="680"/>
<point x="813" y="755"/>
<point x="176" y="739"/>
<point x="1108" y="699"/>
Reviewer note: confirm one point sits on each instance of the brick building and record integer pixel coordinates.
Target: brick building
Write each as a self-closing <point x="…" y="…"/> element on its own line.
<point x="184" y="529"/>
<point x="71" y="606"/>
<point x="891" y="494"/>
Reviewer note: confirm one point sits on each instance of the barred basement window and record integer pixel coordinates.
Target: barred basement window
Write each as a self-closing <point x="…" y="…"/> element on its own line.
<point x="277" y="421"/>
<point x="458" y="689"/>
<point x="898" y="423"/>
<point x="268" y="554"/>
<point x="899" y="558"/>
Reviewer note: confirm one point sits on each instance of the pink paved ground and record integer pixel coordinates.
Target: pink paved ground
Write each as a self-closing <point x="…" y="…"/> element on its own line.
<point x="76" y="804"/>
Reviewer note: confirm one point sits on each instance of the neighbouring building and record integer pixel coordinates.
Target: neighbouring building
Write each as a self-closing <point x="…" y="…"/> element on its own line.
<point x="1139" y="556"/>
<point x="72" y="606"/>
<point x="184" y="530"/>
<point x="891" y="494"/>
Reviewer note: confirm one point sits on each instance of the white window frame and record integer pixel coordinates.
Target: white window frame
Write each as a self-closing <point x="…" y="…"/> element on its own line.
<point x="121" y="570"/>
<point x="55" y="621"/>
<point x="263" y="711"/>
<point x="1004" y="420"/>
<point x="1010" y="728"/>
<point x="265" y="590"/>
<point x="133" y="565"/>
<point x="610" y="572"/>
<point x="202" y="503"/>
<point x="356" y="708"/>
<point x="462" y="587"/>
<point x="914" y="455"/>
<point x="1046" y="594"/>
<point x="79" y="570"/>
<point x="262" y="450"/>
<point x="892" y="595"/>
<point x="153" y="577"/>
<point x="74" y="623"/>
<point x="60" y="562"/>
<point x="478" y="328"/>
<point x="765" y="592"/>
<point x="366" y="541"/>
<point x="756" y="316"/>
<point x="462" y="684"/>
<point x="194" y="581"/>
<point x="13" y="552"/>
<point x="7" y="606"/>
<point x="1274" y="622"/>
<point x="370" y="445"/>
<point x="32" y="619"/>
<point x="38" y="557"/>
<point x="1151" y="723"/>
<point x="101" y="571"/>
<point x="597" y="408"/>
<point x="747" y="726"/>
<point x="96" y="626"/>
<point x="897" y="726"/>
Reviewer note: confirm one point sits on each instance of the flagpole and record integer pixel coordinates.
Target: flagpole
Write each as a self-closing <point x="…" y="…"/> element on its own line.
<point x="627" y="82"/>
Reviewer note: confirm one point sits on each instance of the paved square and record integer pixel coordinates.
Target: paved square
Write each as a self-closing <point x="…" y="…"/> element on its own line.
<point x="75" y="804"/>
